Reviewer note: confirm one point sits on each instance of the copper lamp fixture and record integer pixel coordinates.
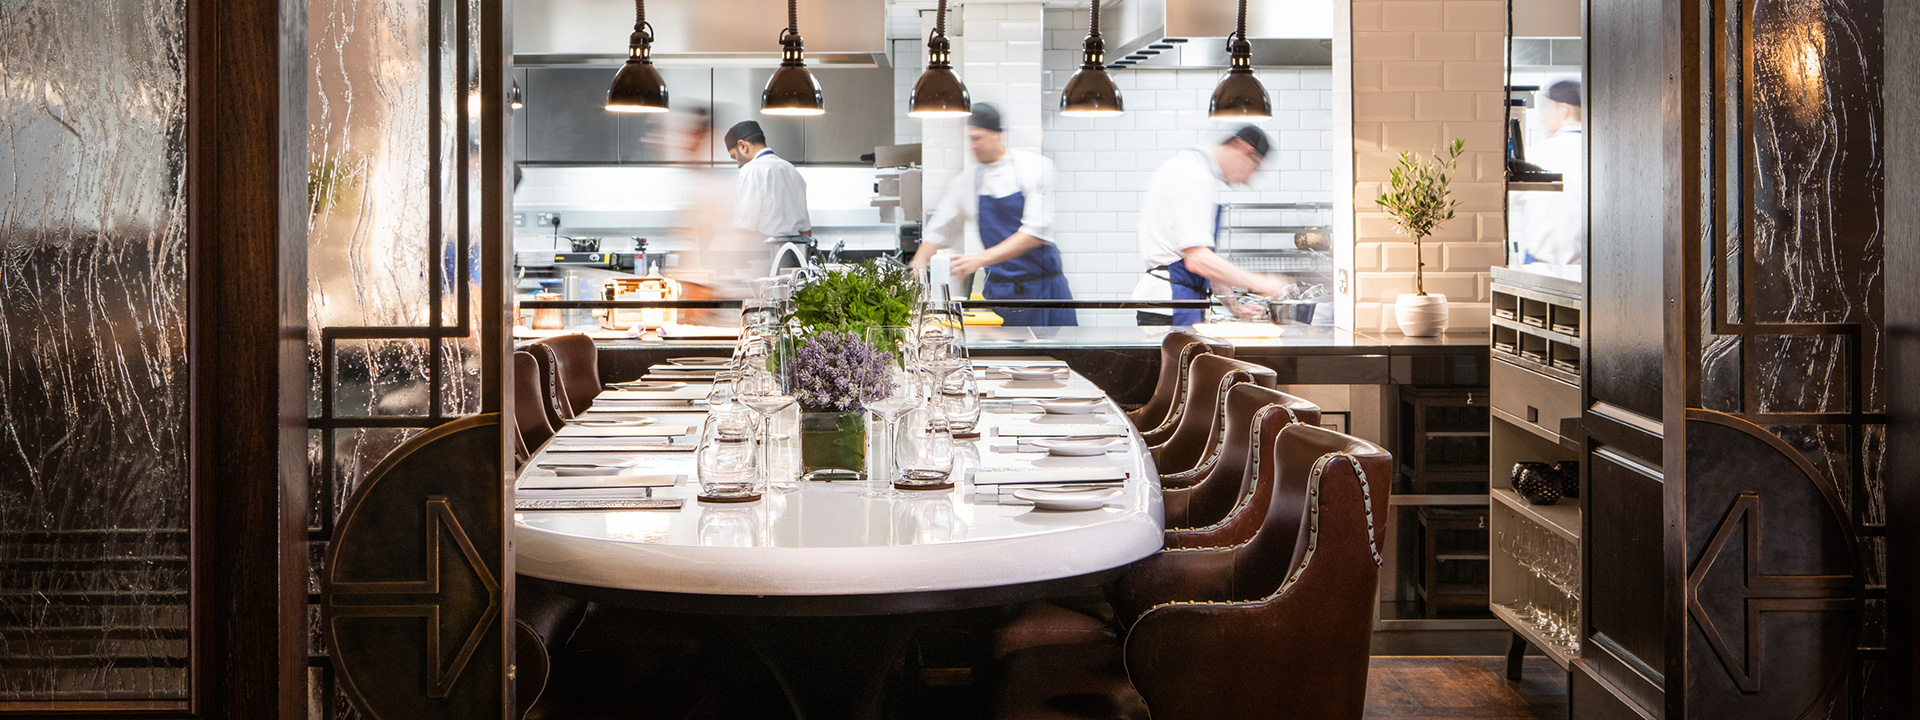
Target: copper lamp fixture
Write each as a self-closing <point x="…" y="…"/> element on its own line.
<point x="792" y="90"/>
<point x="1240" y="96"/>
<point x="1090" y="93"/>
<point x="939" y="93"/>
<point x="638" y="88"/>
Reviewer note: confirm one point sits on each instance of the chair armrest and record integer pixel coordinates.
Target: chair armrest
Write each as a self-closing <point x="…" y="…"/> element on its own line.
<point x="1189" y="575"/>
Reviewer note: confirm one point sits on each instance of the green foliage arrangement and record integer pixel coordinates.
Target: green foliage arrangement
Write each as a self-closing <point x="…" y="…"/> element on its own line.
<point x="850" y="301"/>
<point x="1420" y="201"/>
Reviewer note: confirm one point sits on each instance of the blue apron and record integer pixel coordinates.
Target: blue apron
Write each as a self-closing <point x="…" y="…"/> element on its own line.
<point x="1188" y="285"/>
<point x="1032" y="276"/>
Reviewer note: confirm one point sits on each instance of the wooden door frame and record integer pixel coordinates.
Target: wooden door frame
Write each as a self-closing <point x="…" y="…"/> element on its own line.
<point x="247" y="275"/>
<point x="1901" y="96"/>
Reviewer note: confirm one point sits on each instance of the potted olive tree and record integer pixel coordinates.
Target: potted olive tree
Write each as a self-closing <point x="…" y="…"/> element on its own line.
<point x="1419" y="201"/>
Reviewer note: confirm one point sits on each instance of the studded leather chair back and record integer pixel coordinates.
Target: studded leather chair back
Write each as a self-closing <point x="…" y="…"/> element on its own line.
<point x="1195" y="442"/>
<point x="577" y="364"/>
<point x="1157" y="418"/>
<point x="529" y="412"/>
<point x="1253" y="413"/>
<point x="1299" y="647"/>
<point x="559" y="411"/>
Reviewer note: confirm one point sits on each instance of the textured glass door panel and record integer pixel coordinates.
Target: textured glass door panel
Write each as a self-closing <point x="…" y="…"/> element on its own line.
<point x="93" y="357"/>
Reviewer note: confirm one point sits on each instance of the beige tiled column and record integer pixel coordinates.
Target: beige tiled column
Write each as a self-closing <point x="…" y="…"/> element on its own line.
<point x="1426" y="72"/>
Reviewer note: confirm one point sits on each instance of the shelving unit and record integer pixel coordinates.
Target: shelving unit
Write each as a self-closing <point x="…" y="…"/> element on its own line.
<point x="1538" y="329"/>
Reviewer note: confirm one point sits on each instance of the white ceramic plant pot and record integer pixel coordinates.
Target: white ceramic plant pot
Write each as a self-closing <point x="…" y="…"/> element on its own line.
<point x="1421" y="315"/>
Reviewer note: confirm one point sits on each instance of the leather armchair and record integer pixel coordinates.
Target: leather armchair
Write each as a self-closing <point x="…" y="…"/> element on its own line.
<point x="529" y="417"/>
<point x="1254" y="418"/>
<point x="1195" y="442"/>
<point x="1300" y="650"/>
<point x="577" y="364"/>
<point x="1231" y="564"/>
<point x="1177" y="351"/>
<point x="554" y="397"/>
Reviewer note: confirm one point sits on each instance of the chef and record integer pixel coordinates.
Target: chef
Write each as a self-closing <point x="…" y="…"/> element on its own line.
<point x="772" y="199"/>
<point x="1009" y="196"/>
<point x="1550" y="227"/>
<point x="1180" y="223"/>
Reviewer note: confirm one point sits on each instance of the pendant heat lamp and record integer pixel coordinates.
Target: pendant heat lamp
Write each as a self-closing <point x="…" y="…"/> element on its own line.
<point x="792" y="89"/>
<point x="939" y="93"/>
<point x="1090" y="93"/>
<point x="638" y="88"/>
<point x="1240" y="96"/>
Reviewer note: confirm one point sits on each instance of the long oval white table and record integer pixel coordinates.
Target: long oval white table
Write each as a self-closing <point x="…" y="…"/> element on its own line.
<point x="825" y="551"/>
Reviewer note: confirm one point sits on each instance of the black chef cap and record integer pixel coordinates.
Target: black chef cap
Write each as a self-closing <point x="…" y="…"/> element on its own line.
<point x="1254" y="137"/>
<point x="1565" y="91"/>
<point x="985" y="117"/>
<point x="747" y="130"/>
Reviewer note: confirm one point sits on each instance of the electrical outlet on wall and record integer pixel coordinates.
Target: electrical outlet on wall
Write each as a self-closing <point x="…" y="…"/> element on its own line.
<point x="547" y="219"/>
<point x="519" y="219"/>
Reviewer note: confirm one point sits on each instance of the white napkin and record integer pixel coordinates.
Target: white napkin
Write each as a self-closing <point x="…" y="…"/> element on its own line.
<point x="1044" y="393"/>
<point x="627" y="479"/>
<point x="1057" y="431"/>
<point x="576" y="432"/>
<point x="685" y="393"/>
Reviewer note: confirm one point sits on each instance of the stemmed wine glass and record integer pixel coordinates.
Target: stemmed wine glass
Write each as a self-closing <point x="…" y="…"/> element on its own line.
<point x="898" y="393"/>
<point x="767" y="390"/>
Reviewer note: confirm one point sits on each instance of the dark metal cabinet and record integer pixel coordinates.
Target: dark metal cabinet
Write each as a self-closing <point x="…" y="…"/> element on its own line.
<point x="566" y="116"/>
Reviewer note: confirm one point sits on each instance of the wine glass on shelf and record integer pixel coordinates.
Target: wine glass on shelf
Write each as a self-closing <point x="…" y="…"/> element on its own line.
<point x="767" y="390"/>
<point x="897" y="393"/>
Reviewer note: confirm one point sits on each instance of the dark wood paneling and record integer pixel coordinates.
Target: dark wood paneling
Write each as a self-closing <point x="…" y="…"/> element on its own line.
<point x="1629" y="191"/>
<point x="1592" y="700"/>
<point x="1902" y="98"/>
<point x="246" y="173"/>
<point x="1625" y="587"/>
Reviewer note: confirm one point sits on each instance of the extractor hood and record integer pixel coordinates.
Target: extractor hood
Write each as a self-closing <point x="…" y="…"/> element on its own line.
<point x="1193" y="33"/>
<point x="706" y="33"/>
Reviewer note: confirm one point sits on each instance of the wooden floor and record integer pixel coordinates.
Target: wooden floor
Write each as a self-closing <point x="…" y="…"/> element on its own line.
<point x="1464" y="688"/>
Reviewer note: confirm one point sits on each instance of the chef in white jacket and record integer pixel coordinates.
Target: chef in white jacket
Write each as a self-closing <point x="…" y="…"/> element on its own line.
<point x="1180" y="226"/>
<point x="772" y="200"/>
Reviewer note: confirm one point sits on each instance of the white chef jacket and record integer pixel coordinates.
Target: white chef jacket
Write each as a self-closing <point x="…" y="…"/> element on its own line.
<point x="1178" y="212"/>
<point x="1550" y="227"/>
<point x="773" y="198"/>
<point x="1017" y="171"/>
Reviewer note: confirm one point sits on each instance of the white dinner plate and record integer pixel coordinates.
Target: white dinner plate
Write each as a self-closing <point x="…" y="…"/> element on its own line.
<point x="1072" y="407"/>
<point x="1074" y="448"/>
<point x="1067" y="500"/>
<point x="701" y="362"/>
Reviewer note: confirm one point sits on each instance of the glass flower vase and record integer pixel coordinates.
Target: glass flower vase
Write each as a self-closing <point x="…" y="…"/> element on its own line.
<point x="833" y="441"/>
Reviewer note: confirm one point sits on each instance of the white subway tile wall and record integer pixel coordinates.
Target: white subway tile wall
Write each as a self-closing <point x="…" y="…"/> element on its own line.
<point x="1426" y="72"/>
<point x="1103" y="165"/>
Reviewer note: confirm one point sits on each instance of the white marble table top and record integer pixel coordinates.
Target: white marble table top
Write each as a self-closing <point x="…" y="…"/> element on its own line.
<point x="827" y="540"/>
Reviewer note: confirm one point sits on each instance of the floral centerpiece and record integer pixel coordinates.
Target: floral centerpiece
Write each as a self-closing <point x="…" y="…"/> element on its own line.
<point x="833" y="366"/>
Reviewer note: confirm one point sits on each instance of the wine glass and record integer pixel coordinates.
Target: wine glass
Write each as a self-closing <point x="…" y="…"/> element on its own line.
<point x="924" y="449"/>
<point x="898" y="393"/>
<point x="767" y="391"/>
<point x="725" y="457"/>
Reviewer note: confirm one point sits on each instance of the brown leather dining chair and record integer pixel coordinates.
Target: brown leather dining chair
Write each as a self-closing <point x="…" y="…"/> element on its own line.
<point x="1195" y="442"/>
<point x="552" y="388"/>
<point x="577" y="365"/>
<point x="529" y="415"/>
<point x="1300" y="645"/>
<point x="1177" y="351"/>
<point x="1254" y="413"/>
<point x="1292" y="606"/>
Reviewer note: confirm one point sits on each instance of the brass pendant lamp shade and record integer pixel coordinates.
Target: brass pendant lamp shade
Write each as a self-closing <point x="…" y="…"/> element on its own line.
<point x="1090" y="92"/>
<point x="792" y="90"/>
<point x="1240" y="96"/>
<point x="939" y="93"/>
<point x="638" y="87"/>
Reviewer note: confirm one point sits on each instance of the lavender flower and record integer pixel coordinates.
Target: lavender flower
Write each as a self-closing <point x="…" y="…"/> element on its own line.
<point x="832" y="370"/>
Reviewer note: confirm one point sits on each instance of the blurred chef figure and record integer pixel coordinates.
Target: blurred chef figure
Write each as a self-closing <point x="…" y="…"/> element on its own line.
<point x="1008" y="194"/>
<point x="1180" y="218"/>
<point x="717" y="257"/>
<point x="1549" y="227"/>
